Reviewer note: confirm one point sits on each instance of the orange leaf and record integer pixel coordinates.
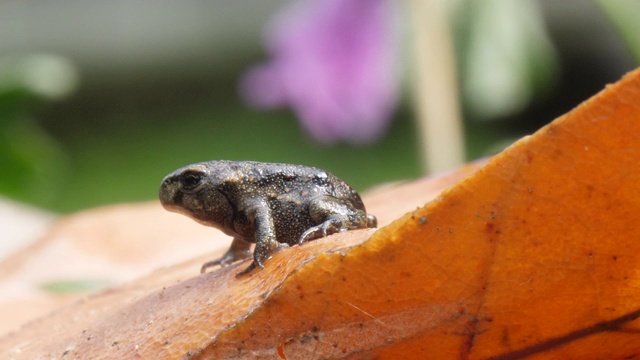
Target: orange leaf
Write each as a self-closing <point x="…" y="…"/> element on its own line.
<point x="534" y="254"/>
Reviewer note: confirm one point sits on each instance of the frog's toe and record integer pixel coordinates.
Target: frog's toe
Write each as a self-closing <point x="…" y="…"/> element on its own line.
<point x="330" y="226"/>
<point x="333" y="225"/>
<point x="211" y="263"/>
<point x="372" y="221"/>
<point x="249" y="269"/>
<point x="310" y="234"/>
<point x="223" y="261"/>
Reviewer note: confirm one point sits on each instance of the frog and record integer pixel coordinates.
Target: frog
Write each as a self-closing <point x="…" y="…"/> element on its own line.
<point x="271" y="205"/>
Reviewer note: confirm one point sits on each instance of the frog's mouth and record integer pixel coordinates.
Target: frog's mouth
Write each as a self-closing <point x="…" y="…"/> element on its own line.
<point x="172" y="201"/>
<point x="174" y="208"/>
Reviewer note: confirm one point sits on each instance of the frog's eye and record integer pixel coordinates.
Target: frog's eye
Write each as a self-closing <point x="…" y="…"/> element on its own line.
<point x="190" y="180"/>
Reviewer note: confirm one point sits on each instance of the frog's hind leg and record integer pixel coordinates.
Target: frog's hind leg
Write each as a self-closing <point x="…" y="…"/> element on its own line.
<point x="332" y="215"/>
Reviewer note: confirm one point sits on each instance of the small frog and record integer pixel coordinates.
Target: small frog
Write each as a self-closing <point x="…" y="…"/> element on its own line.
<point x="271" y="205"/>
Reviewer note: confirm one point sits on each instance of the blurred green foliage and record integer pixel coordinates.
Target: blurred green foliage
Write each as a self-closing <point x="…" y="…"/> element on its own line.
<point x="625" y="16"/>
<point x="32" y="164"/>
<point x="100" y="146"/>
<point x="505" y="56"/>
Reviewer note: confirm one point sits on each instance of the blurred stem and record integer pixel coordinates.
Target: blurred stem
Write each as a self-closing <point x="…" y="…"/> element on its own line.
<point x="625" y="16"/>
<point x="435" y="87"/>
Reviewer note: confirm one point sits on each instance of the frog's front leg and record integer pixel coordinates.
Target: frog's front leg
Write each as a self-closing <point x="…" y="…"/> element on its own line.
<point x="333" y="215"/>
<point x="238" y="250"/>
<point x="265" y="235"/>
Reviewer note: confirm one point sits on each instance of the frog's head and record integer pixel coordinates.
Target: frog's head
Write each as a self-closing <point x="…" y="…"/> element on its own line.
<point x="193" y="191"/>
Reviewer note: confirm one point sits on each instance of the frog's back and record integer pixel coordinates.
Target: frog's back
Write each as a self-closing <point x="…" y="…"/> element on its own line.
<point x="306" y="176"/>
<point x="278" y="178"/>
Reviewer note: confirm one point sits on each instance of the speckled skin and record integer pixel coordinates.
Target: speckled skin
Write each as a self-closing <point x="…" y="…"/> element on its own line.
<point x="272" y="205"/>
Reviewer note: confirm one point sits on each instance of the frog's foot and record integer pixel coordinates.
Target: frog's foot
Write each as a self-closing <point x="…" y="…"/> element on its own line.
<point x="331" y="226"/>
<point x="261" y="255"/>
<point x="227" y="259"/>
<point x="238" y="251"/>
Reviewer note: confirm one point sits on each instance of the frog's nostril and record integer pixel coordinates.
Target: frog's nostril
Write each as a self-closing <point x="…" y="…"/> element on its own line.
<point x="166" y="191"/>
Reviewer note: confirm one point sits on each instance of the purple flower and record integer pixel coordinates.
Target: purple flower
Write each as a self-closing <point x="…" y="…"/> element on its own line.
<point x="333" y="62"/>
